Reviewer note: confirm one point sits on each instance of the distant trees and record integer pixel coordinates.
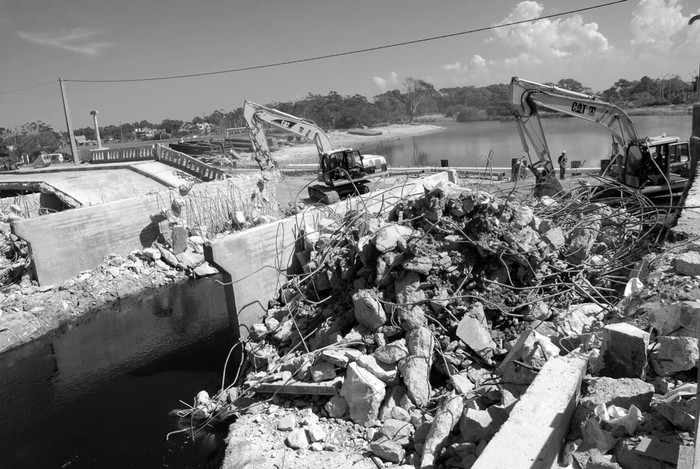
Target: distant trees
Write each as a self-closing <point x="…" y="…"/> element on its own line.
<point x="334" y="111"/>
<point x="36" y="137"/>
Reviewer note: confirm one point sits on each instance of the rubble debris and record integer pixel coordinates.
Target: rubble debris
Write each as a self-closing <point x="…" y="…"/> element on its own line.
<point x="441" y="312"/>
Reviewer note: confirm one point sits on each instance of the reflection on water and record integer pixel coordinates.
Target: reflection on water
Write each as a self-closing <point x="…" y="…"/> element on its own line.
<point x="99" y="394"/>
<point x="470" y="144"/>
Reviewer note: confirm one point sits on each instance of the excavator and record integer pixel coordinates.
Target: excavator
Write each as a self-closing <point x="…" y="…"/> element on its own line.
<point x="343" y="171"/>
<point x="655" y="166"/>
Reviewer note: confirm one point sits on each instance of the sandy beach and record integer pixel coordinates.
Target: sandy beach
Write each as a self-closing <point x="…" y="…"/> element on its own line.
<point x="306" y="152"/>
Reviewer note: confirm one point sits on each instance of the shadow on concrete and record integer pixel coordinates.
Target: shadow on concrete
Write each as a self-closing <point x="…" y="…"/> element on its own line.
<point x="149" y="234"/>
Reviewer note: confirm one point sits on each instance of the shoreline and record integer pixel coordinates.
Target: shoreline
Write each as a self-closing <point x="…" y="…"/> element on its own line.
<point x="306" y="152"/>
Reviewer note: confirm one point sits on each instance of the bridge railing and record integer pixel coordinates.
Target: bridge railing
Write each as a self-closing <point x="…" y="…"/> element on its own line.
<point x="161" y="153"/>
<point x="188" y="164"/>
<point x="119" y="155"/>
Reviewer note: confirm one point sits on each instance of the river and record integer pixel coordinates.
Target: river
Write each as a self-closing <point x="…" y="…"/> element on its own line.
<point x="99" y="393"/>
<point x="470" y="144"/>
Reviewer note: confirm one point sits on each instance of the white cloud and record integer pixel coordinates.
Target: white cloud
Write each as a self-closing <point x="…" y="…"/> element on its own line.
<point x="78" y="40"/>
<point x="478" y="61"/>
<point x="660" y="26"/>
<point x="551" y="38"/>
<point x="385" y="83"/>
<point x="521" y="60"/>
<point x="453" y="67"/>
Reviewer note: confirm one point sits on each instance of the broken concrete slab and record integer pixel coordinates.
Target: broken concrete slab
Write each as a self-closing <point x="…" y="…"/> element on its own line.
<point x="674" y="354"/>
<point x="477" y="425"/>
<point x="476" y="335"/>
<point x="387" y="237"/>
<point x="392" y="352"/>
<point x="368" y="311"/>
<point x="623" y="353"/>
<point x="678" y="319"/>
<point x="363" y="393"/>
<point x="687" y="263"/>
<point x="531" y="349"/>
<point x="538" y="423"/>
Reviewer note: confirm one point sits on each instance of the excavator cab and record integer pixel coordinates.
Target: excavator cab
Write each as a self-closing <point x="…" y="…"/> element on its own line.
<point x="656" y="161"/>
<point x="342" y="166"/>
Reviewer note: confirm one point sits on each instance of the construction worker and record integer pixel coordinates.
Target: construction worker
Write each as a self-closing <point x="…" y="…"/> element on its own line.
<point x="516" y="170"/>
<point x="562" y="164"/>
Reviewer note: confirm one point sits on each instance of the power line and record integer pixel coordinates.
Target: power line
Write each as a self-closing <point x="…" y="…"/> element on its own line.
<point x="352" y="52"/>
<point x="28" y="88"/>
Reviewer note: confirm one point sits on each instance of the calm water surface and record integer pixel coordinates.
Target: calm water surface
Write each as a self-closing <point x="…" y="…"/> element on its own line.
<point x="99" y="394"/>
<point x="470" y="144"/>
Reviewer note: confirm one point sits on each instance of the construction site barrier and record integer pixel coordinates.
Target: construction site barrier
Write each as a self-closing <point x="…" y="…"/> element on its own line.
<point x="118" y="155"/>
<point x="188" y="164"/>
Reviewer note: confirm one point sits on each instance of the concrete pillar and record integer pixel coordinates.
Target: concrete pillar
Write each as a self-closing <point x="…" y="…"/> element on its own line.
<point x="97" y="129"/>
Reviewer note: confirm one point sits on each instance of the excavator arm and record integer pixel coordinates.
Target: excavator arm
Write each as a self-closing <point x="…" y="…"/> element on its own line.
<point x="639" y="162"/>
<point x="256" y="115"/>
<point x="528" y="98"/>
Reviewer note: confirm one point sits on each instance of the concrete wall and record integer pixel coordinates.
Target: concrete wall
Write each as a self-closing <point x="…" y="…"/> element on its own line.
<point x="255" y="262"/>
<point x="66" y="243"/>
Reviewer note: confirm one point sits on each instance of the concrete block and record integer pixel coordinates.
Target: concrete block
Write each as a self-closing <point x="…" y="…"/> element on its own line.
<point x="534" y="432"/>
<point x="623" y="353"/>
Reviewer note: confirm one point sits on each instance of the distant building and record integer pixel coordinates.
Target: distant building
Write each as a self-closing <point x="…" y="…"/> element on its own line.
<point x="80" y="140"/>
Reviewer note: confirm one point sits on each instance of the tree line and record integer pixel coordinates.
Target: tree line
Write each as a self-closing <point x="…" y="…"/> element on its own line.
<point x="413" y="100"/>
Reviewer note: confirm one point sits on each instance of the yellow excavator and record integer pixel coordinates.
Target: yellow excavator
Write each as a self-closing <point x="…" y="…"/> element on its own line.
<point x="655" y="166"/>
<point x="343" y="171"/>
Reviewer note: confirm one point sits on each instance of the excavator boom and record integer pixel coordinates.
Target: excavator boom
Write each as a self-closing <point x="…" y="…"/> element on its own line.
<point x="638" y="161"/>
<point x="343" y="168"/>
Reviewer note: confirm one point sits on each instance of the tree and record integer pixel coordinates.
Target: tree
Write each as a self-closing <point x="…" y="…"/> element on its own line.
<point x="573" y="85"/>
<point x="390" y="106"/>
<point x="171" y="126"/>
<point x="35" y="137"/>
<point x="417" y="92"/>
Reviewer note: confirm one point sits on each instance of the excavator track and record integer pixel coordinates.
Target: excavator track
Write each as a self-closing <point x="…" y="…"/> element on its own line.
<point x="324" y="194"/>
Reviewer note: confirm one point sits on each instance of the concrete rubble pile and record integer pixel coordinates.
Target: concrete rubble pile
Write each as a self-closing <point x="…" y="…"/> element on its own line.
<point x="639" y="406"/>
<point x="427" y="325"/>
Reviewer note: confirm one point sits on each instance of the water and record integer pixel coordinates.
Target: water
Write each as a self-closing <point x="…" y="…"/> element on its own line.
<point x="470" y="144"/>
<point x="99" y="393"/>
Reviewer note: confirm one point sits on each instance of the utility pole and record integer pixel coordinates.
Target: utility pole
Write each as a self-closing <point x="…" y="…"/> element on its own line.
<point x="97" y="129"/>
<point x="69" y="123"/>
<point x="691" y="21"/>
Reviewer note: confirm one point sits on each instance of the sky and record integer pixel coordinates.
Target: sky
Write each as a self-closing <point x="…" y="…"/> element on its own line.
<point x="44" y="40"/>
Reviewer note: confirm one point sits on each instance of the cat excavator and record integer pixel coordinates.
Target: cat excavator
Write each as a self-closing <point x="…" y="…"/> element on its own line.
<point x="653" y="165"/>
<point x="343" y="171"/>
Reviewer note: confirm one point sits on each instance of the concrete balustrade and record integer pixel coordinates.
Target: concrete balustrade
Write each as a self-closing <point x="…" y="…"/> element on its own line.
<point x="116" y="155"/>
<point x="163" y="154"/>
<point x="189" y="164"/>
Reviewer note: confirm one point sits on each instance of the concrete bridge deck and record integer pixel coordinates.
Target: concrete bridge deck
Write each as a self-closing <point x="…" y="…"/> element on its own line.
<point x="85" y="184"/>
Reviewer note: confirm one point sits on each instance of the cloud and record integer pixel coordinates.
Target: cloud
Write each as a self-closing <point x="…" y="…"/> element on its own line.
<point x="566" y="45"/>
<point x="657" y="24"/>
<point x="452" y="67"/>
<point x="78" y="40"/>
<point x="551" y="38"/>
<point x="386" y="83"/>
